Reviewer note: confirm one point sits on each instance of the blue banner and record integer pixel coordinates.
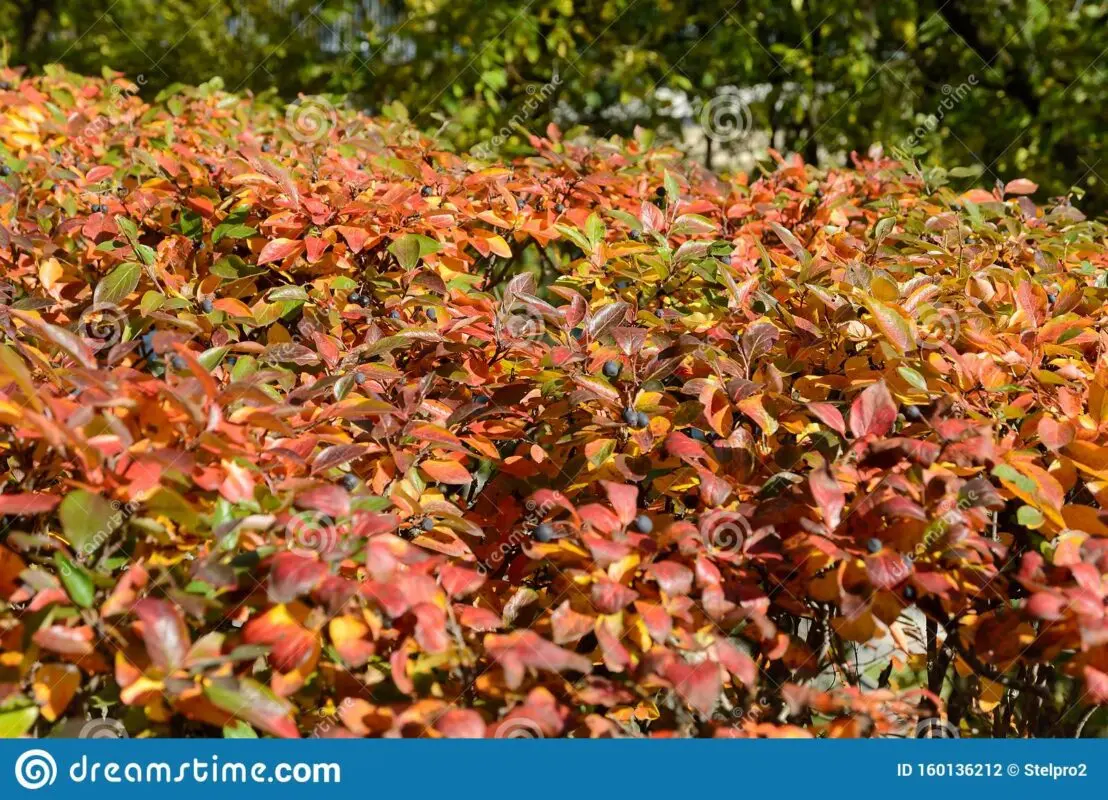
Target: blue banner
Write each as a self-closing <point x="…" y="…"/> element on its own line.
<point x="536" y="770"/>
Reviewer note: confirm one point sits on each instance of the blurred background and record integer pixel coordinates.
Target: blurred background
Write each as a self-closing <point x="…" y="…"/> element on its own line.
<point x="996" y="89"/>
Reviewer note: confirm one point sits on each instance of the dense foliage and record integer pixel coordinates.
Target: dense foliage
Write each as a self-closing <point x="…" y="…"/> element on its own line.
<point x="1001" y="87"/>
<point x="333" y="432"/>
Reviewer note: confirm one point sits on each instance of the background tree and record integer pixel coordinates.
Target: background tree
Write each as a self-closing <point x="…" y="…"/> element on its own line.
<point x="1000" y="87"/>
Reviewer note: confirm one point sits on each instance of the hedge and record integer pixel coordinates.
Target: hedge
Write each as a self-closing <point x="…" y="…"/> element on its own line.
<point x="311" y="427"/>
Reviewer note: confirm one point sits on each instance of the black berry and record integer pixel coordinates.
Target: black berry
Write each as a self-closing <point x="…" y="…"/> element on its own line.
<point x="480" y="399"/>
<point x="350" y="482"/>
<point x="427" y="524"/>
<point x="359" y="378"/>
<point x="909" y="592"/>
<point x="873" y="545"/>
<point x="265" y="147"/>
<point x="544" y="532"/>
<point x="5" y="170"/>
<point x="426" y="191"/>
<point x="641" y="420"/>
<point x="206" y="305"/>
<point x="394" y="314"/>
<point x="912" y="413"/>
<point x="630" y="415"/>
<point x="521" y="203"/>
<point x="660" y="191"/>
<point x="636" y="235"/>
<point x="356" y="298"/>
<point x="558" y="207"/>
<point x="643" y="524"/>
<point x="431" y="315"/>
<point x="611" y="369"/>
<point x="178" y="362"/>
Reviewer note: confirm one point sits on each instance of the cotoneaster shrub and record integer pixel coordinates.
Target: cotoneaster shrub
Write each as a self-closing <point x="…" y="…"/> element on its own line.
<point x="328" y="431"/>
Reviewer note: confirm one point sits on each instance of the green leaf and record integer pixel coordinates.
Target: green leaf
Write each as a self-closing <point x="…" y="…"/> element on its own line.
<point x="87" y="520"/>
<point x="16" y="718"/>
<point x="239" y="730"/>
<point x="411" y="247"/>
<point x="76" y="580"/>
<point x="912" y="377"/>
<point x="211" y="357"/>
<point x="118" y="284"/>
<point x="232" y="231"/>
<point x="1030" y="517"/>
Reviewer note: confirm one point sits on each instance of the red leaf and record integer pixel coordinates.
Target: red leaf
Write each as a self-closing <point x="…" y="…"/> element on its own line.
<point x="828" y="495"/>
<point x="279" y="250"/>
<point x="699" y="685"/>
<point x="27" y="504"/>
<point x="522" y="650"/>
<point x="873" y="412"/>
<point x="164" y="632"/>
<point x="829" y="416"/>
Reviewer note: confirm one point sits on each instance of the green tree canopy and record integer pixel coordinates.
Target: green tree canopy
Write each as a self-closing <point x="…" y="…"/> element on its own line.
<point x="1000" y="87"/>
